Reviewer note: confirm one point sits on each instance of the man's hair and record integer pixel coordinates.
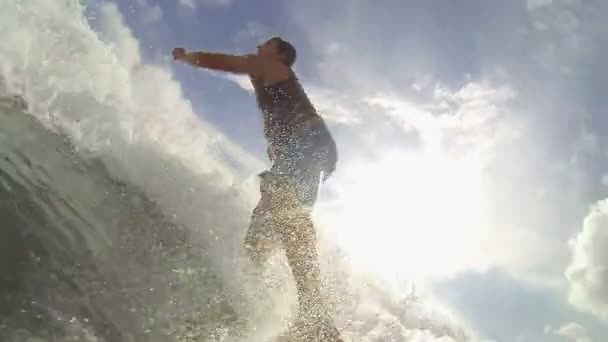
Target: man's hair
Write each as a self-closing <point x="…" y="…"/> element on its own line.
<point x="286" y="49"/>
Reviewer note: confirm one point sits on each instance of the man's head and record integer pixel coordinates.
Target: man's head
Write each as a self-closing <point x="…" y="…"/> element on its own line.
<point x="277" y="48"/>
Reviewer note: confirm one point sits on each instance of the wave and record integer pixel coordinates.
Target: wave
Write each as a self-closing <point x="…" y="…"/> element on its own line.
<point x="81" y="248"/>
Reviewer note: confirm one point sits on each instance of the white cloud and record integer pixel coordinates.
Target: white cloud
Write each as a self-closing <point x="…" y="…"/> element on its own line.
<point x="534" y="4"/>
<point x="572" y="331"/>
<point x="215" y="2"/>
<point x="252" y="34"/>
<point x="242" y="81"/>
<point x="460" y="121"/>
<point x="188" y="4"/>
<point x="193" y="4"/>
<point x="149" y="14"/>
<point x="587" y="273"/>
<point x="152" y="15"/>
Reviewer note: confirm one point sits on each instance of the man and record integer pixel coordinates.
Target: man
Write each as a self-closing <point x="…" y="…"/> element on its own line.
<point x="303" y="154"/>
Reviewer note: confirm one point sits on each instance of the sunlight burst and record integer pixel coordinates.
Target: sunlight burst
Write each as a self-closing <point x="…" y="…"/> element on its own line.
<point x="413" y="214"/>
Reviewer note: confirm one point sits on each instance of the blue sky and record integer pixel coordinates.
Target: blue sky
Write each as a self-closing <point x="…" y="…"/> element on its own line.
<point x="471" y="136"/>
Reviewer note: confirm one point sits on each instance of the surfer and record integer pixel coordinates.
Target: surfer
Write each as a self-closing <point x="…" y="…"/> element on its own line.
<point x="303" y="155"/>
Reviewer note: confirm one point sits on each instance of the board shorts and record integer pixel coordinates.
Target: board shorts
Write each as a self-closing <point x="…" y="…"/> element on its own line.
<point x="298" y="167"/>
<point x="302" y="159"/>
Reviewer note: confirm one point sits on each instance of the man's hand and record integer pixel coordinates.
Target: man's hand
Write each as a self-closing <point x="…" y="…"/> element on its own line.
<point x="179" y="54"/>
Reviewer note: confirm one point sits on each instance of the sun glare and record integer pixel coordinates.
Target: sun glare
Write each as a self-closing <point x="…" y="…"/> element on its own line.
<point x="411" y="215"/>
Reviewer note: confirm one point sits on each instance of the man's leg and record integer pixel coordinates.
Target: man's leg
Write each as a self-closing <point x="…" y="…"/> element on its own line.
<point x="291" y="217"/>
<point x="313" y="321"/>
<point x="299" y="240"/>
<point x="293" y="199"/>
<point x="294" y="228"/>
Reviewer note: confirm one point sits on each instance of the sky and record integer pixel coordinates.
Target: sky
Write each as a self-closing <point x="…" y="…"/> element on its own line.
<point x="470" y="134"/>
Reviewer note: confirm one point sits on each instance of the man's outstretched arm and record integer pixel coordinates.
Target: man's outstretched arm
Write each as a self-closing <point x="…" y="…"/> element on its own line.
<point x="245" y="64"/>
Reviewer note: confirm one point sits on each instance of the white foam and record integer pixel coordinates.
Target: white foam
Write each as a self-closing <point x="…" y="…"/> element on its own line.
<point x="96" y="89"/>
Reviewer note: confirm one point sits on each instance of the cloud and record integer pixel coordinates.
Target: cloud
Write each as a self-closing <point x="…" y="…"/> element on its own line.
<point x="572" y="331"/>
<point x="604" y="179"/>
<point x="534" y="4"/>
<point x="461" y="120"/>
<point x="215" y="2"/>
<point x="193" y="4"/>
<point x="150" y="14"/>
<point x="242" y="81"/>
<point x="253" y="34"/>
<point x="587" y="273"/>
